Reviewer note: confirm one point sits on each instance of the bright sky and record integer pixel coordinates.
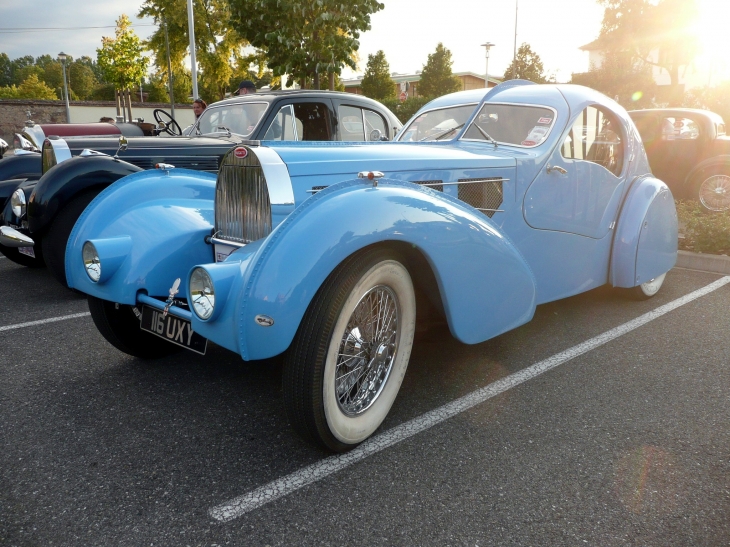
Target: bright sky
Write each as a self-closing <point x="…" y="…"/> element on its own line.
<point x="406" y="30"/>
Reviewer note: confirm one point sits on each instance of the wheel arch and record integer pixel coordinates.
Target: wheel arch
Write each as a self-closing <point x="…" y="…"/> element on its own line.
<point x="716" y="161"/>
<point x="484" y="285"/>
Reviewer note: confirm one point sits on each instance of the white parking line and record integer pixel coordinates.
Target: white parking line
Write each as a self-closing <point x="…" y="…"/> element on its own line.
<point x="286" y="485"/>
<point x="44" y="321"/>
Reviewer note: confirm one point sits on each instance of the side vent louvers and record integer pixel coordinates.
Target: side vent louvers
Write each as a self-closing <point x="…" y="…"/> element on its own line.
<point x="242" y="206"/>
<point x="484" y="194"/>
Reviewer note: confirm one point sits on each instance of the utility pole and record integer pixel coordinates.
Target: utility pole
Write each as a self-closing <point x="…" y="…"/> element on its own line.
<point x="193" y="63"/>
<point x="514" y="55"/>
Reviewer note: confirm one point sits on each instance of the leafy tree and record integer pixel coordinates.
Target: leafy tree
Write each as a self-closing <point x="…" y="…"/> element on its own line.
<point x="217" y="44"/>
<point x="6" y="70"/>
<point x="31" y="88"/>
<point x="526" y="66"/>
<point x="645" y="27"/>
<point x="623" y="77"/>
<point x="81" y="79"/>
<point x="377" y="83"/>
<point x="121" y="58"/>
<point x="17" y="65"/>
<point x="436" y="76"/>
<point x="304" y="38"/>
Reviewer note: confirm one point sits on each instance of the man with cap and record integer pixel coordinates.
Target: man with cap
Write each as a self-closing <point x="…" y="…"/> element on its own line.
<point x="245" y="87"/>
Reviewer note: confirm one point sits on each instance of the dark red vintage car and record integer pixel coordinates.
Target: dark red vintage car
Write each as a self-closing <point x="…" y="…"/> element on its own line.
<point x="690" y="151"/>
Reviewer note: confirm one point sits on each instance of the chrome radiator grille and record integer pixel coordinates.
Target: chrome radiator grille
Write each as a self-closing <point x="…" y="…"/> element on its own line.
<point x="242" y="206"/>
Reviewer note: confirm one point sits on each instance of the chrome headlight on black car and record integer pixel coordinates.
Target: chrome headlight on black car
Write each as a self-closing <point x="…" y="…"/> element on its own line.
<point x="18" y="203"/>
<point x="55" y="150"/>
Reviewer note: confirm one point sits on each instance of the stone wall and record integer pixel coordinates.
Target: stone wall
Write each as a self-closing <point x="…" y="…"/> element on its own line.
<point x="13" y="113"/>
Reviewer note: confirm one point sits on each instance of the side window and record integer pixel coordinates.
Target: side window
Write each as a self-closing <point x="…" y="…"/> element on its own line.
<point x="595" y="137"/>
<point x="674" y="129"/>
<point x="373" y="120"/>
<point x="351" y="126"/>
<point x="312" y="120"/>
<point x="282" y="128"/>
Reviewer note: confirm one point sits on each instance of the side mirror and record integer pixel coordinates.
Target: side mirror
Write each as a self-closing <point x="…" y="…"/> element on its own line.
<point x="376" y="135"/>
<point x="123" y="143"/>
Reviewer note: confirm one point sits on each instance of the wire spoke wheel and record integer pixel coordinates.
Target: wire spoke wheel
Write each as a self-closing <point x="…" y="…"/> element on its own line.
<point x="714" y="193"/>
<point x="367" y="350"/>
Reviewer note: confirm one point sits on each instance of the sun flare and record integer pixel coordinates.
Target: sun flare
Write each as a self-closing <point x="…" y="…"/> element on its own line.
<point x="712" y="22"/>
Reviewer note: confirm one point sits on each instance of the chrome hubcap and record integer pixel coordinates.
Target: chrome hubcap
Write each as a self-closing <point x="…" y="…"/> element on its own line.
<point x="715" y="193"/>
<point x="367" y="351"/>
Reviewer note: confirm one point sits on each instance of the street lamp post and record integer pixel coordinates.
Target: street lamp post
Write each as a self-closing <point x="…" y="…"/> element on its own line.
<point x="487" y="45"/>
<point x="62" y="57"/>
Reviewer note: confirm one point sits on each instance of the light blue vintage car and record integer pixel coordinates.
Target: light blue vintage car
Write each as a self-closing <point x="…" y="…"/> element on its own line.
<point x="490" y="204"/>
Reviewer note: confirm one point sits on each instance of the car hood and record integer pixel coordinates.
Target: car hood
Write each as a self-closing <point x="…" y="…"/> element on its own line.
<point x="105" y="144"/>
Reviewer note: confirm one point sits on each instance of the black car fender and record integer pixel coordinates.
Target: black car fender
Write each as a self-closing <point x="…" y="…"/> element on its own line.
<point x="710" y="163"/>
<point x="21" y="166"/>
<point x="60" y="184"/>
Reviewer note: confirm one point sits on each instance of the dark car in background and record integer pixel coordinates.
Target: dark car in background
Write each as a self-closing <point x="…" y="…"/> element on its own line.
<point x="690" y="151"/>
<point x="38" y="215"/>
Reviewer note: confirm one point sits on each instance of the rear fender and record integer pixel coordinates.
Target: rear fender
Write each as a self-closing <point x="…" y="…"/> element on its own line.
<point x="66" y="180"/>
<point x="485" y="285"/>
<point x="165" y="214"/>
<point x="645" y="243"/>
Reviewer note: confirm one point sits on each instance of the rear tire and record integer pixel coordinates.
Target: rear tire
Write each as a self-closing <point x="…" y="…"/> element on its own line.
<point x="648" y="290"/>
<point x="56" y="238"/>
<point x="711" y="187"/>
<point x="120" y="326"/>
<point x="348" y="358"/>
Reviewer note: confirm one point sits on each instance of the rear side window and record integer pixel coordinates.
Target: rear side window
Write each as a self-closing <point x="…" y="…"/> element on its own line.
<point x="675" y="129"/>
<point x="595" y="136"/>
<point x="357" y="124"/>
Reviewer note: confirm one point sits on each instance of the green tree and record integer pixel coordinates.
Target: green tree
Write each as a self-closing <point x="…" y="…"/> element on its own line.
<point x="659" y="32"/>
<point x="623" y="77"/>
<point x="6" y="70"/>
<point x="17" y="65"/>
<point x="121" y="58"/>
<point x="217" y="44"/>
<point x="526" y="66"/>
<point x="436" y="76"/>
<point x="303" y="38"/>
<point x="31" y="88"/>
<point x="81" y="79"/>
<point x="377" y="83"/>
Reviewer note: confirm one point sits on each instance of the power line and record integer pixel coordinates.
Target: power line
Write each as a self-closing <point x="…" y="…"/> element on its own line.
<point x="17" y="30"/>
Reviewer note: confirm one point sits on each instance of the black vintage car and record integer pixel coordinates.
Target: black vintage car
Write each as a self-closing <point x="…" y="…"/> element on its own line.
<point x="39" y="214"/>
<point x="690" y="151"/>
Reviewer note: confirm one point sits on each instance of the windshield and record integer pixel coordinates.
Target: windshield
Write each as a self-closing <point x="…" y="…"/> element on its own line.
<point x="512" y="124"/>
<point x="241" y="119"/>
<point x="442" y="124"/>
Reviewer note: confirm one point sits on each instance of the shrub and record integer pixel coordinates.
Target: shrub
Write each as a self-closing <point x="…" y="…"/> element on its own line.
<point x="704" y="232"/>
<point x="406" y="109"/>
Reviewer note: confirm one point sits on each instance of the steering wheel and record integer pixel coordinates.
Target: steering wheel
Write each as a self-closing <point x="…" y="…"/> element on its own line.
<point x="170" y="126"/>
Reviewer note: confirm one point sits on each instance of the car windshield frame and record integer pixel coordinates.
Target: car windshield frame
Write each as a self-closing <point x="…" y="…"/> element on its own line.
<point x="506" y="143"/>
<point x="234" y="131"/>
<point x="405" y="129"/>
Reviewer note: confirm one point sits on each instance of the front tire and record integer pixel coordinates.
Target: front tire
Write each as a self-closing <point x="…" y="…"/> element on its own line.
<point x="55" y="240"/>
<point x="348" y="359"/>
<point x="24" y="260"/>
<point x="711" y="188"/>
<point x="120" y="326"/>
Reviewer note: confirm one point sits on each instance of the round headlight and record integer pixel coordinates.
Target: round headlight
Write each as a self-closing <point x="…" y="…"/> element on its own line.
<point x="92" y="264"/>
<point x="202" y="293"/>
<point x="17" y="202"/>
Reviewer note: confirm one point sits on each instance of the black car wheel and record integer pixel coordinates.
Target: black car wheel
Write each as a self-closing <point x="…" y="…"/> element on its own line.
<point x="120" y="326"/>
<point x="348" y="358"/>
<point x="55" y="240"/>
<point x="711" y="187"/>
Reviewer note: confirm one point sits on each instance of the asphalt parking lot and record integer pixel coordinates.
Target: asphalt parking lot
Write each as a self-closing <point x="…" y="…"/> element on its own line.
<point x="604" y="421"/>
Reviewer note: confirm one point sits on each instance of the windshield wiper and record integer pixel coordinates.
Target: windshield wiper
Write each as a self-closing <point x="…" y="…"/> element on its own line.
<point x="486" y="135"/>
<point x="225" y="129"/>
<point x="442" y="134"/>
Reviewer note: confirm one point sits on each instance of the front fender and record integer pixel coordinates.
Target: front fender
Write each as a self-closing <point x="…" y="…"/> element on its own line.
<point x="165" y="214"/>
<point x="21" y="166"/>
<point x="645" y="243"/>
<point x="64" y="181"/>
<point x="7" y="187"/>
<point x="485" y="285"/>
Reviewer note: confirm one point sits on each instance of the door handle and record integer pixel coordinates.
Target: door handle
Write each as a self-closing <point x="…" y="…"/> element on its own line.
<point x="551" y="168"/>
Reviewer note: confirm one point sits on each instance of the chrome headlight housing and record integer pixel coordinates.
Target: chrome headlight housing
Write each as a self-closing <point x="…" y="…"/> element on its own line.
<point x="202" y="293"/>
<point x="18" y="203"/>
<point x="92" y="264"/>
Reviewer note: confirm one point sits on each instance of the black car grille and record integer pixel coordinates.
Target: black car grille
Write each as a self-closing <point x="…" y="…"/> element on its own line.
<point x="242" y="206"/>
<point x="197" y="163"/>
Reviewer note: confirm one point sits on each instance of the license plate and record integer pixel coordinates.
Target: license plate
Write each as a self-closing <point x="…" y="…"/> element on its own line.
<point x="222" y="251"/>
<point x="27" y="251"/>
<point x="173" y="329"/>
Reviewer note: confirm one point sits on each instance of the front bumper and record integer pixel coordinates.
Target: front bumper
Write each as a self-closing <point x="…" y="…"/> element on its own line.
<point x="10" y="237"/>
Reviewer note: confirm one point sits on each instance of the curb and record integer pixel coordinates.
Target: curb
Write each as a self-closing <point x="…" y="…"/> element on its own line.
<point x="707" y="263"/>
